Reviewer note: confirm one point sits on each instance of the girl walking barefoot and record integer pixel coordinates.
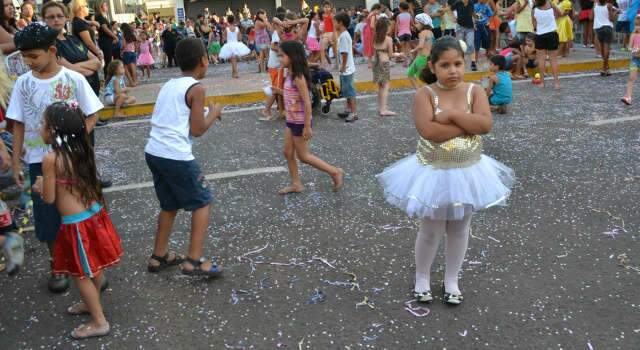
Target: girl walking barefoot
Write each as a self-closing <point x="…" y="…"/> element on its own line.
<point x="129" y="42"/>
<point x="297" y="104"/>
<point x="383" y="50"/>
<point x="233" y="49"/>
<point x="87" y="241"/>
<point x="634" y="45"/>
<point x="448" y="178"/>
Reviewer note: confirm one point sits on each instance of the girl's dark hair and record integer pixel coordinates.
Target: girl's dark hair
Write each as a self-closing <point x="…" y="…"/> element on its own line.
<point x="111" y="70"/>
<point x="441" y="46"/>
<point x="258" y="13"/>
<point x="376" y="6"/>
<point x="10" y="24"/>
<point x="404" y="6"/>
<point x="299" y="67"/>
<point x="539" y="3"/>
<point x="127" y="33"/>
<point x="71" y="145"/>
<point x="382" y="27"/>
<point x="231" y="19"/>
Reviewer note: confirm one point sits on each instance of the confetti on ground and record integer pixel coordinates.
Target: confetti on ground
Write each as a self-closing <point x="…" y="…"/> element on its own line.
<point x="365" y="302"/>
<point x="418" y="311"/>
<point x="317" y="297"/>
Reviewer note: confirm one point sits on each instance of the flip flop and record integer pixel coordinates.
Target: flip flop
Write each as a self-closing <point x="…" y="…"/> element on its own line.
<point x="625" y="101"/>
<point x="85" y="331"/>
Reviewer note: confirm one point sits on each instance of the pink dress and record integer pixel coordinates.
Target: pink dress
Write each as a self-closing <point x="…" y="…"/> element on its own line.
<point x="367" y="37"/>
<point x="145" y="58"/>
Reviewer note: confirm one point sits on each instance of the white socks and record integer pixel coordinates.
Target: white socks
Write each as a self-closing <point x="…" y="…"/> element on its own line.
<point x="426" y="248"/>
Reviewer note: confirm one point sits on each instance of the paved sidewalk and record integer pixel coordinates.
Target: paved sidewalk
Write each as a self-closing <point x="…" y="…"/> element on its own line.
<point x="248" y="89"/>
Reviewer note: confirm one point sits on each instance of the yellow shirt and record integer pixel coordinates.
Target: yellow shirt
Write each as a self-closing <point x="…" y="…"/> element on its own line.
<point x="524" y="24"/>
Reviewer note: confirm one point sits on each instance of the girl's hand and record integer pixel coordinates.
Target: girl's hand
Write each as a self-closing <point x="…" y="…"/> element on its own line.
<point x="37" y="187"/>
<point x="443" y="117"/>
<point x="307" y="133"/>
<point x="215" y="110"/>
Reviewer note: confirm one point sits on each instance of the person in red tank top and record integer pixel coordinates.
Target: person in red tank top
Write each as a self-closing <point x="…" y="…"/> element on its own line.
<point x="328" y="37"/>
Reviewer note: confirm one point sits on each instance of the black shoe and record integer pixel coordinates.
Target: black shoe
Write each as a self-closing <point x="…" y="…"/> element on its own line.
<point x="451" y="299"/>
<point x="351" y="118"/>
<point x="343" y="115"/>
<point x="104" y="284"/>
<point x="101" y="123"/>
<point x="105" y="183"/>
<point x="58" y="283"/>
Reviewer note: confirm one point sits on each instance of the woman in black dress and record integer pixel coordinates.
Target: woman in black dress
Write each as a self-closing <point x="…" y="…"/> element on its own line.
<point x="106" y="37"/>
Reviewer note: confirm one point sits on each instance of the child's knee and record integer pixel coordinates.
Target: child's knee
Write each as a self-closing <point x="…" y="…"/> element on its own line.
<point x="289" y="154"/>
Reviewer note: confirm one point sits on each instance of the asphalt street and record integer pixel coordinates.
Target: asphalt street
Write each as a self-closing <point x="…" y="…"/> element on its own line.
<point x="546" y="272"/>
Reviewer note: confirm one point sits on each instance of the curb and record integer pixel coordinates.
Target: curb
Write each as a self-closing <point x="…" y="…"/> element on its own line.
<point x="363" y="86"/>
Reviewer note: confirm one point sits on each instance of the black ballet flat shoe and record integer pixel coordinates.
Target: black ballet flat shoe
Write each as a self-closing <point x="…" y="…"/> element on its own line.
<point x="424" y="297"/>
<point x="451" y="299"/>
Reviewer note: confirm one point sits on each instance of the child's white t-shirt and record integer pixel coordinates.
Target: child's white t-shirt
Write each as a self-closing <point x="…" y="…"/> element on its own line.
<point x="171" y="121"/>
<point x="31" y="96"/>
<point x="274" y="61"/>
<point x="345" y="46"/>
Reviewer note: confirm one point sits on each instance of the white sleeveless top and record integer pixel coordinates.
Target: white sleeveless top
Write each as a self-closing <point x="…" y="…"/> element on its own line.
<point x="601" y="17"/>
<point x="170" y="121"/>
<point x="232" y="37"/>
<point x="545" y="21"/>
<point x="312" y="31"/>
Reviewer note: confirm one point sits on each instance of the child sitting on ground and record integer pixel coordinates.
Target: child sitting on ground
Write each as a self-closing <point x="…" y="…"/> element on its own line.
<point x="115" y="92"/>
<point x="179" y="115"/>
<point x="530" y="52"/>
<point x="499" y="89"/>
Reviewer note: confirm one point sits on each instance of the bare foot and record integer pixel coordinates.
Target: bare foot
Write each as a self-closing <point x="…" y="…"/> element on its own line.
<point x="266" y="113"/>
<point x="236" y="76"/>
<point x="338" y="180"/>
<point x="387" y="114"/>
<point x="556" y="86"/>
<point x="77" y="309"/>
<point x="291" y="189"/>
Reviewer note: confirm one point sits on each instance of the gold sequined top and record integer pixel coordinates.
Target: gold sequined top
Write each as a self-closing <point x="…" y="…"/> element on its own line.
<point x="458" y="152"/>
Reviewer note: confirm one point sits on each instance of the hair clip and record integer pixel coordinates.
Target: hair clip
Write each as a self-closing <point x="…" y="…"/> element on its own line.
<point x="73" y="104"/>
<point x="58" y="140"/>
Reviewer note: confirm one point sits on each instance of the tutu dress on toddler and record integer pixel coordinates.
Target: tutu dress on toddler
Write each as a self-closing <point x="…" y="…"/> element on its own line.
<point x="145" y="58"/>
<point x="448" y="180"/>
<point x="233" y="47"/>
<point x="86" y="244"/>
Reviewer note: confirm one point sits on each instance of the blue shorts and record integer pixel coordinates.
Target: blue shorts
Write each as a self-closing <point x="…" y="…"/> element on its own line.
<point x="623" y="27"/>
<point x="129" y="57"/>
<point x="495" y="101"/>
<point x="296" y="129"/>
<point x="178" y="184"/>
<point x="481" y="37"/>
<point x="346" y="86"/>
<point x="46" y="216"/>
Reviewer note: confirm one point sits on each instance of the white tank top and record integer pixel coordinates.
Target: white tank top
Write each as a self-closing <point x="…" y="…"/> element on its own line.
<point x="545" y="21"/>
<point x="170" y="121"/>
<point x="312" y="30"/>
<point x="232" y="37"/>
<point x="601" y="17"/>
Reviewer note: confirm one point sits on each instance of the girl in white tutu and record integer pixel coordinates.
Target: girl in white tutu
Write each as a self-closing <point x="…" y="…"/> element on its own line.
<point x="233" y="48"/>
<point x="448" y="178"/>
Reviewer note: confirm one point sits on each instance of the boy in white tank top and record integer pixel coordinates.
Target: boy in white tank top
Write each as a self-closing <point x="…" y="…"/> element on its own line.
<point x="179" y="115"/>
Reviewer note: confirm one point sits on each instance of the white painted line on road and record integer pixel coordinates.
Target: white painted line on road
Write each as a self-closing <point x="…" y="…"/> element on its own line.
<point x="210" y="177"/>
<point x="613" y="120"/>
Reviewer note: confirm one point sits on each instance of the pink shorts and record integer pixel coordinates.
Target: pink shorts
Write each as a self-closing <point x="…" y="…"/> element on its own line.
<point x="312" y="44"/>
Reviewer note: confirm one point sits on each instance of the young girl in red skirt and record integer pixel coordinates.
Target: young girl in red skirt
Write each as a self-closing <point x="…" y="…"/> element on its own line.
<point x="87" y="241"/>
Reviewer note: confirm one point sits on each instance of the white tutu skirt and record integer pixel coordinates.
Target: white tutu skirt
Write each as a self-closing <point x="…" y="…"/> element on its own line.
<point x="446" y="194"/>
<point x="232" y="49"/>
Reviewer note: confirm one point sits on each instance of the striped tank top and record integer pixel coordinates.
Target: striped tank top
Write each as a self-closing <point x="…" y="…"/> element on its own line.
<point x="293" y="103"/>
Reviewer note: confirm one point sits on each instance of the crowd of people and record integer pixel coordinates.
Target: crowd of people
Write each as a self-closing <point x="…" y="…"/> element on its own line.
<point x="52" y="111"/>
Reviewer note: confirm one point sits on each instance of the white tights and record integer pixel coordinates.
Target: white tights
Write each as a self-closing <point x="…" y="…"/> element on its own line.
<point x="427" y="242"/>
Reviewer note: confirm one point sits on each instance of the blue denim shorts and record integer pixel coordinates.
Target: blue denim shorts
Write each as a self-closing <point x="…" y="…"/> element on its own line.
<point x="346" y="86"/>
<point x="178" y="184"/>
<point x="634" y="65"/>
<point x="46" y="216"/>
<point x="481" y="37"/>
<point x="128" y="57"/>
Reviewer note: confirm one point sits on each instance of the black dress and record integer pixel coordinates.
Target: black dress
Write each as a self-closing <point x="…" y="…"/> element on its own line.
<point x="105" y="41"/>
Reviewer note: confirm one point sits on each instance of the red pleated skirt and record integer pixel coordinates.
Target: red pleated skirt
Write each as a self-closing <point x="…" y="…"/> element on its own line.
<point x="86" y="244"/>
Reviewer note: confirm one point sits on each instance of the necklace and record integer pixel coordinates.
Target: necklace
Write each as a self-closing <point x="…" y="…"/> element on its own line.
<point x="438" y="84"/>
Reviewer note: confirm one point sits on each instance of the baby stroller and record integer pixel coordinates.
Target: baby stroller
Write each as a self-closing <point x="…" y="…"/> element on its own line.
<point x="324" y="89"/>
